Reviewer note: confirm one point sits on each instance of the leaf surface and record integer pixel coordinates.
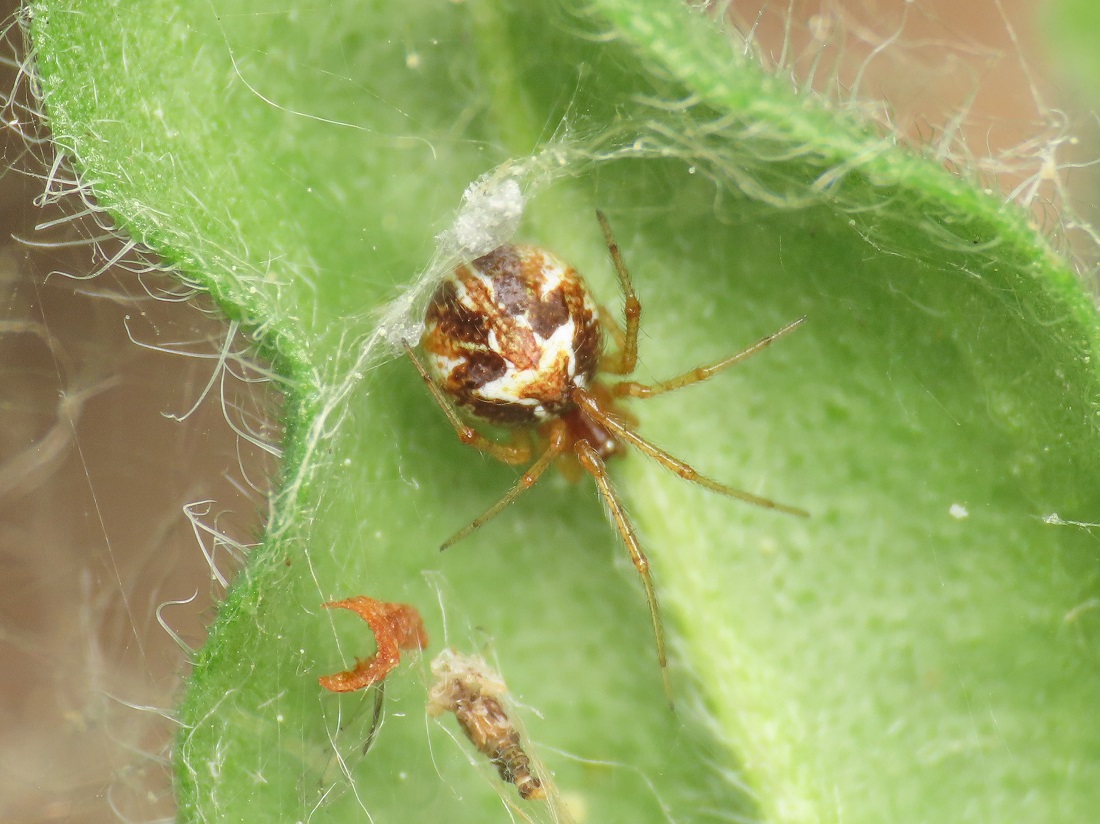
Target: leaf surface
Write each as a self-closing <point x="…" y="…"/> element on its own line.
<point x="922" y="648"/>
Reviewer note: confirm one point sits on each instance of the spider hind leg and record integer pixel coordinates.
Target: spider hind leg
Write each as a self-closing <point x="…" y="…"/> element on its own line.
<point x="595" y="466"/>
<point x="624" y="433"/>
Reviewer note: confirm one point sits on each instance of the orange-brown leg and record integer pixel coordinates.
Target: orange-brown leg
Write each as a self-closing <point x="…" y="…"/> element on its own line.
<point x="623" y="361"/>
<point x="612" y="326"/>
<point x="558" y="438"/>
<point x="595" y="466"/>
<point x="513" y="453"/>
<point x="395" y="627"/>
<point x="685" y="471"/>
<point x="701" y="373"/>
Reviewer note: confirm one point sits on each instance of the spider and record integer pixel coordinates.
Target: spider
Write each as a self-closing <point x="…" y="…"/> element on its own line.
<point x="515" y="339"/>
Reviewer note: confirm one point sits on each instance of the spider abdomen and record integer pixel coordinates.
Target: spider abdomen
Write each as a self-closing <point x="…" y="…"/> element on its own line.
<point x="512" y="334"/>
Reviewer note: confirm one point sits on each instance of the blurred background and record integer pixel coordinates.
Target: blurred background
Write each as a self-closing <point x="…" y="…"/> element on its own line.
<point x="135" y="424"/>
<point x="120" y="523"/>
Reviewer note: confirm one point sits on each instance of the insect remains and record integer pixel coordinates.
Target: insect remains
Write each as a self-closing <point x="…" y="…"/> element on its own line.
<point x="466" y="686"/>
<point x="515" y="339"/>
<point x="396" y="627"/>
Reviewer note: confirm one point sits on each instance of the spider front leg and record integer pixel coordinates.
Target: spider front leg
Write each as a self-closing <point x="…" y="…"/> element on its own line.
<point x="595" y="466"/>
<point x="558" y="438"/>
<point x="701" y="373"/>
<point x="626" y="358"/>
<point x="512" y="453"/>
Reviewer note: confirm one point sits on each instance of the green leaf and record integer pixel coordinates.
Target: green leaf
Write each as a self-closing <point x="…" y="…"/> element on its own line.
<point x="1071" y="27"/>
<point x="923" y="648"/>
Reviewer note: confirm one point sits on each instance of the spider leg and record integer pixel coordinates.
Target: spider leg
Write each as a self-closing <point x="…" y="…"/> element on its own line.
<point x="701" y="373"/>
<point x="595" y="466"/>
<point x="684" y="470"/>
<point x="558" y="438"/>
<point x="513" y="453"/>
<point x="613" y="328"/>
<point x="623" y="361"/>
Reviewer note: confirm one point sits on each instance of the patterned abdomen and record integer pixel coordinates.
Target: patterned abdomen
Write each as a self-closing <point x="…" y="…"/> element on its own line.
<point x="510" y="335"/>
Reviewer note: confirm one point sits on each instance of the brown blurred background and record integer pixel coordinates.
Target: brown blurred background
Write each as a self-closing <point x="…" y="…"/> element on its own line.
<point x="95" y="477"/>
<point x="97" y="482"/>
